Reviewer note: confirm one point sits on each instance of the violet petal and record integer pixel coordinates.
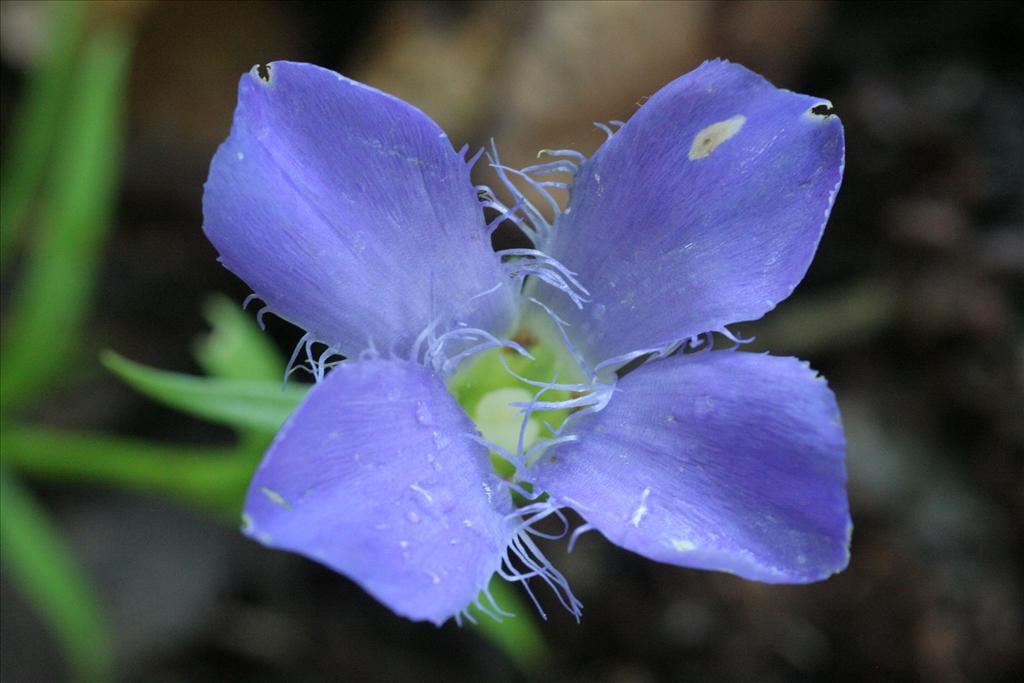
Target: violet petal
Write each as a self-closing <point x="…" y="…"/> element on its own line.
<point x="374" y="476"/>
<point x="729" y="461"/>
<point x="350" y="214"/>
<point x="705" y="209"/>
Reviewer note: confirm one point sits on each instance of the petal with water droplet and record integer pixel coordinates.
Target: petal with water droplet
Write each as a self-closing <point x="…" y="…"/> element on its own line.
<point x="388" y="518"/>
<point x="722" y="460"/>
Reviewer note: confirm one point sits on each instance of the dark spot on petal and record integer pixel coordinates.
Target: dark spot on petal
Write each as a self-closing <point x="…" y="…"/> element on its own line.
<point x="263" y="72"/>
<point x="631" y="366"/>
<point x="525" y="339"/>
<point x="824" y="110"/>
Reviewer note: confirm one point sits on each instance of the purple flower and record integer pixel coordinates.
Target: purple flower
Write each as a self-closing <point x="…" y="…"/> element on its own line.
<point x="350" y="214"/>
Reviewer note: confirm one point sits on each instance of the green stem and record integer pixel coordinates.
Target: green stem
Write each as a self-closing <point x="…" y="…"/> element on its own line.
<point x="215" y="479"/>
<point x="47" y="574"/>
<point x="38" y="120"/>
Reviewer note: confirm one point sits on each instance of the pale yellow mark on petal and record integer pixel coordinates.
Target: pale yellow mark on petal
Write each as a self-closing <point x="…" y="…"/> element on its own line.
<point x="275" y="497"/>
<point x="708" y="139"/>
<point x="682" y="545"/>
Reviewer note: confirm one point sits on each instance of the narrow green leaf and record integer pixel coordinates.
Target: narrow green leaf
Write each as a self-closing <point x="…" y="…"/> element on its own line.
<point x="214" y="479"/>
<point x="517" y="637"/>
<point x="39" y="564"/>
<point x="44" y="329"/>
<point x="236" y="348"/>
<point x="37" y="120"/>
<point x="242" y="404"/>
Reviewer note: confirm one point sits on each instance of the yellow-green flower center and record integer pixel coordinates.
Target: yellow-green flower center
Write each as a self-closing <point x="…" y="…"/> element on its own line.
<point x="486" y="390"/>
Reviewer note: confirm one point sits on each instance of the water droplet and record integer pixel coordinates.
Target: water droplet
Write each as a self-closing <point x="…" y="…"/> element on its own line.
<point x="403" y="544"/>
<point x="454" y="541"/>
<point x="441" y="440"/>
<point x="393" y="394"/>
<point x="359" y="242"/>
<point x="598" y="311"/>
<point x="412" y="517"/>
<point x="422" y="492"/>
<point x="703" y="406"/>
<point x="423" y="415"/>
<point x="432" y="460"/>
<point x="641" y="510"/>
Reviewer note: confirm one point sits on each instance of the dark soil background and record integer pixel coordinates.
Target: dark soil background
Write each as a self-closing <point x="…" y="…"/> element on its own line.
<point x="912" y="309"/>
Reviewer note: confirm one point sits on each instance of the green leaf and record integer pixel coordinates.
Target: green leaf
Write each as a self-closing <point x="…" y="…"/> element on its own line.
<point x="517" y="637"/>
<point x="236" y="347"/>
<point x="37" y="121"/>
<point x="214" y="479"/>
<point x="39" y="564"/>
<point x="44" y="329"/>
<point x="242" y="404"/>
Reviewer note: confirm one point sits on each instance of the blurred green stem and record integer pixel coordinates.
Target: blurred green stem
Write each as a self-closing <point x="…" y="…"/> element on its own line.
<point x="46" y="573"/>
<point x="518" y="637"/>
<point x="214" y="479"/>
<point x="37" y="121"/>
<point x="44" y="328"/>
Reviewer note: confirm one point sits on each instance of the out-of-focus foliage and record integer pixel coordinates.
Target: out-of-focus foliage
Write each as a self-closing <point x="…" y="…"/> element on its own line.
<point x="518" y="636"/>
<point x="41" y="566"/>
<point x="45" y="325"/>
<point x="240" y="403"/>
<point x="38" y="123"/>
<point x="209" y="478"/>
<point x="235" y="349"/>
<point x="64" y="161"/>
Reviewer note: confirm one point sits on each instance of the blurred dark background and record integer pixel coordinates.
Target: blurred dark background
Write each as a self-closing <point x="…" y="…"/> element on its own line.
<point x="912" y="310"/>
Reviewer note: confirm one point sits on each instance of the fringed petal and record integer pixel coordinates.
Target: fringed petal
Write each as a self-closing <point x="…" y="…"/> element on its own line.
<point x="724" y="460"/>
<point x="703" y="210"/>
<point x="376" y="476"/>
<point x="350" y="214"/>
